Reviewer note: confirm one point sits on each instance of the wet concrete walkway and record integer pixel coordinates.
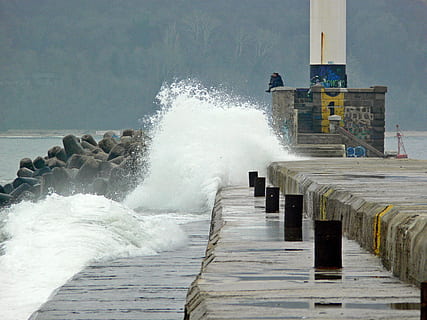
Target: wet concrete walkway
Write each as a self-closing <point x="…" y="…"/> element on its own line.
<point x="382" y="204"/>
<point x="250" y="272"/>
<point x="148" y="287"/>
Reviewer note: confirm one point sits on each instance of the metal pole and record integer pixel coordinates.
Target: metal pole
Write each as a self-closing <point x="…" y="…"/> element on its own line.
<point x="293" y="217"/>
<point x="272" y="199"/>
<point x="328" y="244"/>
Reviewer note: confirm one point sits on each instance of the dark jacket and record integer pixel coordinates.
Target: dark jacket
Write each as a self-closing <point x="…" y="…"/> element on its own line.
<point x="275" y="81"/>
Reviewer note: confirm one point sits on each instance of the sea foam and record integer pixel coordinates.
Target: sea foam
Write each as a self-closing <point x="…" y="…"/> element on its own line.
<point x="50" y="241"/>
<point x="203" y="139"/>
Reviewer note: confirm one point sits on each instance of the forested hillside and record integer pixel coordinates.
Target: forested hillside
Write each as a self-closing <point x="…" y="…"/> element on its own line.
<point x="92" y="64"/>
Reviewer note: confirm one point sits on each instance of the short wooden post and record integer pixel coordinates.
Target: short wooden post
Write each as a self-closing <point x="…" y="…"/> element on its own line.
<point x="259" y="190"/>
<point x="328" y="244"/>
<point x="423" y="301"/>
<point x="252" y="176"/>
<point x="272" y="199"/>
<point x="293" y="217"/>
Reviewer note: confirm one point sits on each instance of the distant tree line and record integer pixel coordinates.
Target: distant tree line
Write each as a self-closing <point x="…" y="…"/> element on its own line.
<point x="99" y="63"/>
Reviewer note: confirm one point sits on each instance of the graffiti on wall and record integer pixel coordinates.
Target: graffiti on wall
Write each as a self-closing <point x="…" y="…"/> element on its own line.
<point x="358" y="121"/>
<point x="328" y="75"/>
<point x="332" y="104"/>
<point x="356" y="152"/>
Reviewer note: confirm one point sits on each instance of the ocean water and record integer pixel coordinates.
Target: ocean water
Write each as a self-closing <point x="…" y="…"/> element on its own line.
<point x="414" y="142"/>
<point x="14" y="148"/>
<point x="202" y="139"/>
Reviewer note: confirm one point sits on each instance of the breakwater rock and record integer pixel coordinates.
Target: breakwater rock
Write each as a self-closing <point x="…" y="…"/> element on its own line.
<point x="110" y="167"/>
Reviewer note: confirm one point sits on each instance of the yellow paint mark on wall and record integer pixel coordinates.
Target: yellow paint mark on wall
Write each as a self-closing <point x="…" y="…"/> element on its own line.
<point x="323" y="199"/>
<point x="377" y="228"/>
<point x="338" y="100"/>
<point x="326" y="111"/>
<point x="339" y="111"/>
<point x="324" y="123"/>
<point x="328" y="103"/>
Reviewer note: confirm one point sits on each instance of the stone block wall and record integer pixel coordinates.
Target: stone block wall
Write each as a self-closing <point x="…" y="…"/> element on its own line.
<point x="284" y="115"/>
<point x="304" y="104"/>
<point x="362" y="111"/>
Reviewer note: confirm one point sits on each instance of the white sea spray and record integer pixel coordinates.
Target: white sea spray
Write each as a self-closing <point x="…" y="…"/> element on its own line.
<point x="203" y="139"/>
<point x="48" y="242"/>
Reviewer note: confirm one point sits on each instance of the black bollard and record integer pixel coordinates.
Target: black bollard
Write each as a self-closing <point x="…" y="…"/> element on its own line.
<point x="252" y="176"/>
<point x="328" y="244"/>
<point x="424" y="300"/>
<point x="293" y="217"/>
<point x="259" y="190"/>
<point x="272" y="199"/>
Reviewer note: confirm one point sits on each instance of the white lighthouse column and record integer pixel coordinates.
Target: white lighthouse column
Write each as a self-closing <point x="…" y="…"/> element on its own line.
<point x="328" y="43"/>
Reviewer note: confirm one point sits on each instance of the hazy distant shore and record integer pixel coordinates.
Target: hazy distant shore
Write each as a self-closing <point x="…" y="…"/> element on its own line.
<point x="79" y="132"/>
<point x="52" y="133"/>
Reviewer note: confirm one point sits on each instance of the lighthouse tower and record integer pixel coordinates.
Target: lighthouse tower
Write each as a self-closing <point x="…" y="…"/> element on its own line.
<point x="328" y="43"/>
<point x="308" y="118"/>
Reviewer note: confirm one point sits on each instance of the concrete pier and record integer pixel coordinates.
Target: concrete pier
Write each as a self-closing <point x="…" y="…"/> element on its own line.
<point x="381" y="202"/>
<point x="250" y="272"/>
<point x="147" y="287"/>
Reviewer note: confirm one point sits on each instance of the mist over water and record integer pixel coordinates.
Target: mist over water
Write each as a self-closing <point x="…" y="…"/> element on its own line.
<point x="201" y="140"/>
